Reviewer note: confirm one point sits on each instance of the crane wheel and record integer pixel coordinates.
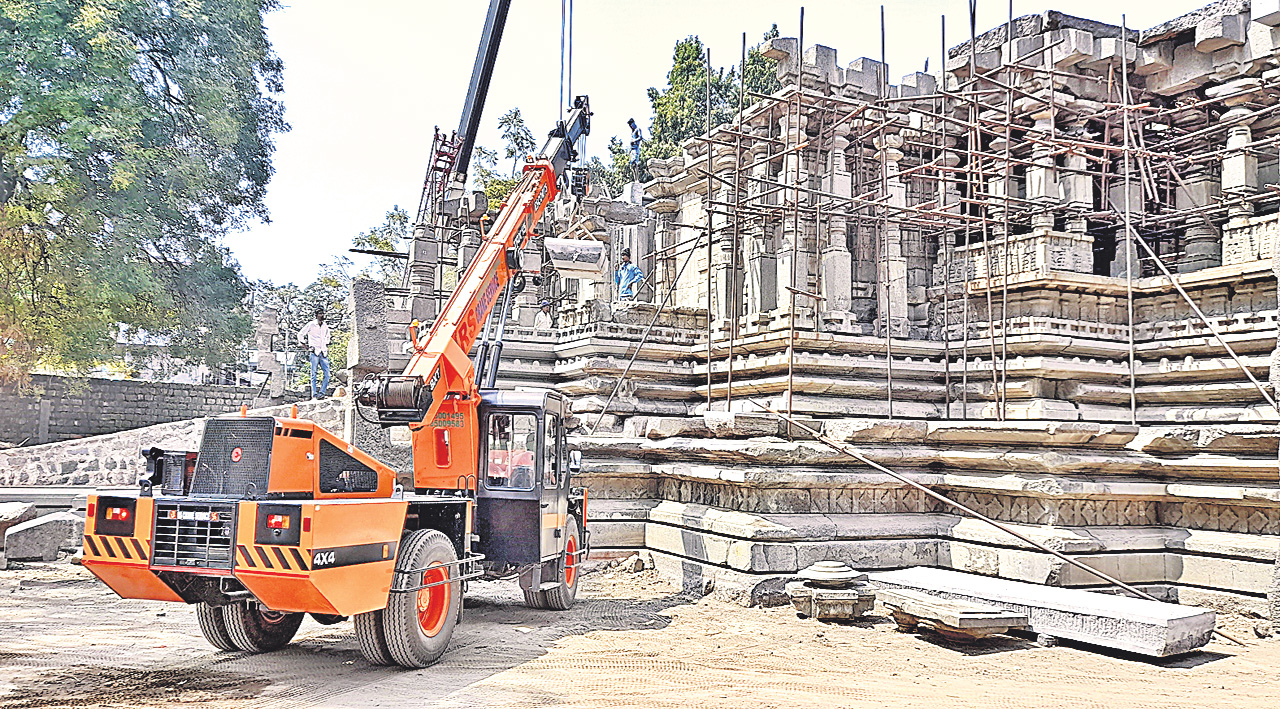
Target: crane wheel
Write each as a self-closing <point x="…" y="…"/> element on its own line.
<point x="418" y="624"/>
<point x="373" y="641"/>
<point x="535" y="599"/>
<point x="214" y="627"/>
<point x="255" y="629"/>
<point x="561" y="597"/>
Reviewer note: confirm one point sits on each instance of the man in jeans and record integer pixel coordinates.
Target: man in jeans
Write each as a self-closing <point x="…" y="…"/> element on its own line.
<point x="627" y="278"/>
<point x="315" y="335"/>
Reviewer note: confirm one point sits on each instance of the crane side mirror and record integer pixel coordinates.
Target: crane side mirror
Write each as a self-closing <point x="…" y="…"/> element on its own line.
<point x="575" y="462"/>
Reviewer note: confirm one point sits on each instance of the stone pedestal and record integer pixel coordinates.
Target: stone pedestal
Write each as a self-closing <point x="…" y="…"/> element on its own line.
<point x="830" y="603"/>
<point x="830" y="590"/>
<point x="1203" y="248"/>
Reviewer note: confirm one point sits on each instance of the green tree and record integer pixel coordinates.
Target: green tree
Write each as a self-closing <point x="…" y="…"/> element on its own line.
<point x="388" y="236"/>
<point x="518" y="137"/>
<point x="484" y="164"/>
<point x="680" y="109"/>
<point x="133" y="134"/>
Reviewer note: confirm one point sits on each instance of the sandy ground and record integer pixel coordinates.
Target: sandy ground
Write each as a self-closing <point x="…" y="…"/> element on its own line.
<point x="631" y="641"/>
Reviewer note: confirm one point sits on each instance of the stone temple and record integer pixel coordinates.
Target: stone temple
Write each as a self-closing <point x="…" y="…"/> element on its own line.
<point x="1041" y="282"/>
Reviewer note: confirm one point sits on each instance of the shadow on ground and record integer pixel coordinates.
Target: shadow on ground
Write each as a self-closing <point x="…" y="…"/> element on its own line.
<point x="174" y="666"/>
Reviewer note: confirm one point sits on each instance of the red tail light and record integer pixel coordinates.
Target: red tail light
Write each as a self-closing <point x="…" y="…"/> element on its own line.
<point x="118" y="514"/>
<point x="92" y="509"/>
<point x="277" y="521"/>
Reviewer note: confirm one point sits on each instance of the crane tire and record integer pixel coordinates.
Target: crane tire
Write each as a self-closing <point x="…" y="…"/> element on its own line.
<point x="253" y="629"/>
<point x="373" y="642"/>
<point x="418" y="624"/>
<point x="562" y="596"/>
<point x="534" y="599"/>
<point x="213" y="627"/>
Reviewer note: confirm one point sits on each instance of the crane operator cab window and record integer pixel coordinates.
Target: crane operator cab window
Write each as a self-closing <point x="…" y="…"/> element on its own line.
<point x="513" y="445"/>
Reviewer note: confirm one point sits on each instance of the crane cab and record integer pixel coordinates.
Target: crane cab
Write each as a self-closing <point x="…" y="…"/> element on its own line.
<point x="525" y="505"/>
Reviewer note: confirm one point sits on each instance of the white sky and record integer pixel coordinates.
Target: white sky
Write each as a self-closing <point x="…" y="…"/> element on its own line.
<point x="366" y="82"/>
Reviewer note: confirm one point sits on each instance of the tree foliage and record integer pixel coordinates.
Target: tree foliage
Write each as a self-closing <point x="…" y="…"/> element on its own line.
<point x="518" y="137"/>
<point x="133" y="134"/>
<point x="680" y="109"/>
<point x="388" y="236"/>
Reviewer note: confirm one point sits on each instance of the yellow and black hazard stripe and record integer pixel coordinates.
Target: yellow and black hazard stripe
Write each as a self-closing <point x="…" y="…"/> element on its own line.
<point x="102" y="546"/>
<point x="273" y="558"/>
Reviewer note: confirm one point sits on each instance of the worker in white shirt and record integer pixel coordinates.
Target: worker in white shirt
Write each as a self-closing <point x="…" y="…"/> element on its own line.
<point x="315" y="335"/>
<point x="542" y="321"/>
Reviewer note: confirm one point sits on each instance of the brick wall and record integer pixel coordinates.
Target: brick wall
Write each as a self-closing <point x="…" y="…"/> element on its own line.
<point x="54" y="408"/>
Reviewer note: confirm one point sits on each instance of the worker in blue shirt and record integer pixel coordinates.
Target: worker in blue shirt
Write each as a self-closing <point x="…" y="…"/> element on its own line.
<point x="628" y="277"/>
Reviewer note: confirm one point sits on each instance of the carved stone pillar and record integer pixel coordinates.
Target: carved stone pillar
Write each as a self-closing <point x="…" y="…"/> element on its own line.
<point x="424" y="257"/>
<point x="1042" y="176"/>
<point x="837" y="263"/>
<point x="1239" y="166"/>
<point x="893" y="282"/>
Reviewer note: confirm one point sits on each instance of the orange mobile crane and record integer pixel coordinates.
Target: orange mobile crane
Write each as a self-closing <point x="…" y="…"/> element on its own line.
<point x="276" y="517"/>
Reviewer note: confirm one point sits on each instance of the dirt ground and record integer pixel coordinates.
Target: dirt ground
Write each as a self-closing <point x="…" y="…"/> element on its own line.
<point x="631" y="641"/>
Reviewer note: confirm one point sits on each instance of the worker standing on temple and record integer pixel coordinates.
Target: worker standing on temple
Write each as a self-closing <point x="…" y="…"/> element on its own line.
<point x="542" y="321"/>
<point x="628" y="277"/>
<point x="315" y="335"/>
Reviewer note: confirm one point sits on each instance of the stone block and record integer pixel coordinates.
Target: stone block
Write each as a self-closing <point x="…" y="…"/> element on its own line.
<point x="367" y="351"/>
<point x="865" y="75"/>
<point x="955" y="620"/>
<point x="984" y="61"/>
<point x="822" y="59"/>
<point x="14" y="513"/>
<point x="1075" y="46"/>
<point x="1189" y="70"/>
<point x="1111" y="52"/>
<point x="1218" y="31"/>
<point x="919" y="84"/>
<point x="668" y="427"/>
<point x="40" y="539"/>
<point x="1119" y="622"/>
<point x="875" y="430"/>
<point x="729" y="424"/>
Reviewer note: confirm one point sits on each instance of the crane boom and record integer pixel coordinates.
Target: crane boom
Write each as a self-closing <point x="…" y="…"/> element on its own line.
<point x="441" y="375"/>
<point x="486" y="56"/>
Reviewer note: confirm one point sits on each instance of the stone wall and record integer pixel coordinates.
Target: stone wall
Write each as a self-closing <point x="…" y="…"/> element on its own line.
<point x="116" y="458"/>
<point x="56" y="408"/>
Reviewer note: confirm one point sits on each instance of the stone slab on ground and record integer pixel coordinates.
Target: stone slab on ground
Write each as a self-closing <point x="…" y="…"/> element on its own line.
<point x="12" y="514"/>
<point x="1120" y="622"/>
<point x="40" y="539"/>
<point x="952" y="618"/>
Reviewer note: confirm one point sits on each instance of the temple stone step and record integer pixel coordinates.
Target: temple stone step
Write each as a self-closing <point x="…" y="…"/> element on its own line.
<point x="1119" y="622"/>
